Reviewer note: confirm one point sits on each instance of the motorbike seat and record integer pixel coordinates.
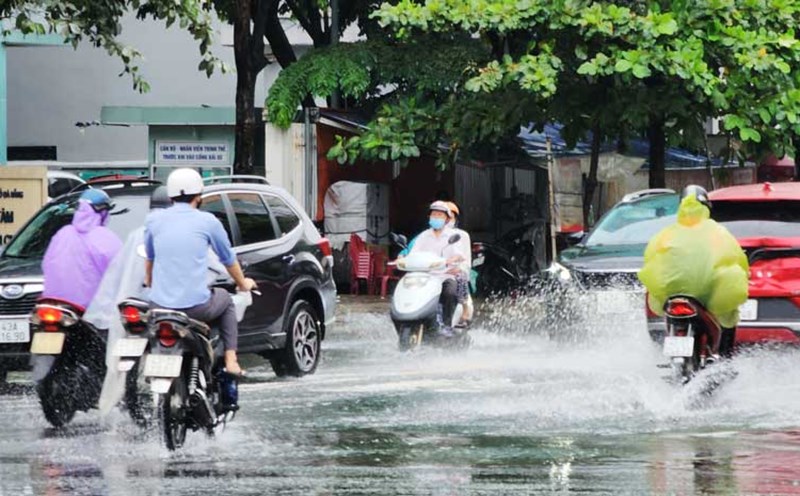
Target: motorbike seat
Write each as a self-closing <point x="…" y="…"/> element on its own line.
<point x="160" y="314"/>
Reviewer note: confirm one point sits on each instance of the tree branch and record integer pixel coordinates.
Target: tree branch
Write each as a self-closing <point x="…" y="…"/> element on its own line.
<point x="276" y="36"/>
<point x="259" y="13"/>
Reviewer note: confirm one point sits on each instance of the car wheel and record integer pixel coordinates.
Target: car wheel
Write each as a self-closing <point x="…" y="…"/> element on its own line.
<point x="302" y="352"/>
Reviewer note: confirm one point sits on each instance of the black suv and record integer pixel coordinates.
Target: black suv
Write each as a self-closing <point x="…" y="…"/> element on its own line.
<point x="275" y="241"/>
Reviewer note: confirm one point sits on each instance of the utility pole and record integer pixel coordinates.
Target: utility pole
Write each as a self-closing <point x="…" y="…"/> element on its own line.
<point x="552" y="199"/>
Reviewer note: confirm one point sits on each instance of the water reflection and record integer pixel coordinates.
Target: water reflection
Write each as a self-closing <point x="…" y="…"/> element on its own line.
<point x="741" y="463"/>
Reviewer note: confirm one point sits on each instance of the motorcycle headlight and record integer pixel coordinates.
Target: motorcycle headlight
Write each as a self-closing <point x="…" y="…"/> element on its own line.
<point x="415" y="281"/>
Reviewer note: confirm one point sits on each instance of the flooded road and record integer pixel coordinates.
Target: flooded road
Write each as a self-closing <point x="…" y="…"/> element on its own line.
<point x="514" y="414"/>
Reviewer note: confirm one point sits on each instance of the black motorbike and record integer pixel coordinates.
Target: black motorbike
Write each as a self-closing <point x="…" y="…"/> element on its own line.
<point x="185" y="370"/>
<point x="690" y="334"/>
<point x="497" y="272"/>
<point x="69" y="360"/>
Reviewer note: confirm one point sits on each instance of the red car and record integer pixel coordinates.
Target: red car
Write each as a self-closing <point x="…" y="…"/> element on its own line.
<point x="765" y="218"/>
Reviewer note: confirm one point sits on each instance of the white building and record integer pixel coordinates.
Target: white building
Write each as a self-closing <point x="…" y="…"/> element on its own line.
<point x="51" y="88"/>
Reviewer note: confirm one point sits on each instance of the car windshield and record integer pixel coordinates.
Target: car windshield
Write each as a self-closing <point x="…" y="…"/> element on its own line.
<point x="759" y="219"/>
<point x="636" y="222"/>
<point x="128" y="214"/>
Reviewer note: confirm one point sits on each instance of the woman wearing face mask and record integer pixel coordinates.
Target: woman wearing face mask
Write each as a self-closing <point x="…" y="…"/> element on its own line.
<point x="435" y="240"/>
<point x="462" y="271"/>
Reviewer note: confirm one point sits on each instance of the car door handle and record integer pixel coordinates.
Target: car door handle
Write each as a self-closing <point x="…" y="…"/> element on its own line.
<point x="288" y="258"/>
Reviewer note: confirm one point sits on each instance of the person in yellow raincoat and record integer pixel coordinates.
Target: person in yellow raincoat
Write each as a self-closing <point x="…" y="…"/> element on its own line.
<point x="700" y="258"/>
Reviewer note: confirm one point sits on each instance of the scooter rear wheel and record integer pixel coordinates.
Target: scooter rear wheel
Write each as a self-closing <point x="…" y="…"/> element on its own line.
<point x="138" y="397"/>
<point x="56" y="397"/>
<point x="172" y="407"/>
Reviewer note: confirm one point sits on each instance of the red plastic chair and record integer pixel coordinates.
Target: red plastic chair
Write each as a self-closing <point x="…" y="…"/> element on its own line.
<point x="384" y="272"/>
<point x="360" y="264"/>
<point x="362" y="269"/>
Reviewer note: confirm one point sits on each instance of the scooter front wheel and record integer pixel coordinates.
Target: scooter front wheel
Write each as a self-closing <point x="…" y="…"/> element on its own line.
<point x="410" y="337"/>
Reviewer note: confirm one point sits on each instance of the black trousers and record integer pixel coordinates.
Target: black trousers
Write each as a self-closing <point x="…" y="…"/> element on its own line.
<point x="449" y="300"/>
<point x="726" y="341"/>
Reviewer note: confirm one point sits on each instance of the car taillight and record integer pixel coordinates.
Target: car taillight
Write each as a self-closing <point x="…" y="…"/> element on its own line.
<point x="325" y="247"/>
<point x="167" y="335"/>
<point x="132" y="315"/>
<point x="680" y="308"/>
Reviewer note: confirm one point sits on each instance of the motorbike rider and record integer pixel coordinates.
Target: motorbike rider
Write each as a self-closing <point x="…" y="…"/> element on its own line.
<point x="176" y="243"/>
<point x="124" y="279"/>
<point x="700" y="258"/>
<point x="462" y="271"/>
<point x="79" y="253"/>
<point x="435" y="240"/>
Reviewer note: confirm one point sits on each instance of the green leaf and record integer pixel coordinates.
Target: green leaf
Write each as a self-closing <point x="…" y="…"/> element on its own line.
<point x="622" y="65"/>
<point x="587" y="69"/>
<point x="641" y="71"/>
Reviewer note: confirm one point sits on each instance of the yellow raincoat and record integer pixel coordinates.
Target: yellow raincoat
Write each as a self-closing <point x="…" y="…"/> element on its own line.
<point x="699" y="258"/>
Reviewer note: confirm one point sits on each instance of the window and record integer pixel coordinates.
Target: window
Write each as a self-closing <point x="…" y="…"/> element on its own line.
<point x="216" y="207"/>
<point x="758" y="219"/>
<point x="635" y="223"/>
<point x="255" y="224"/>
<point x="59" y="186"/>
<point x="129" y="214"/>
<point x="287" y="219"/>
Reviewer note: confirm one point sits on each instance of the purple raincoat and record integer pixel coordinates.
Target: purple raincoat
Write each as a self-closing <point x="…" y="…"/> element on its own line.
<point x="78" y="256"/>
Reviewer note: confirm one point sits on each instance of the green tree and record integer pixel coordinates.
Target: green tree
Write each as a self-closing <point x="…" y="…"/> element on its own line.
<point x="674" y="64"/>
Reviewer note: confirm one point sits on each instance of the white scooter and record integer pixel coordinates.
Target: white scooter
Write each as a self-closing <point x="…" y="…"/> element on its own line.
<point x="416" y="311"/>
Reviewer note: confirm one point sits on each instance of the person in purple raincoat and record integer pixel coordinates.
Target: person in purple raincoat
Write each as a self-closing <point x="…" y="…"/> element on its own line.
<point x="79" y="253"/>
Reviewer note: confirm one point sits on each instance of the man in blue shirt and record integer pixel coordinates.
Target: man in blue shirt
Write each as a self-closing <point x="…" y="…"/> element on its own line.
<point x="177" y="242"/>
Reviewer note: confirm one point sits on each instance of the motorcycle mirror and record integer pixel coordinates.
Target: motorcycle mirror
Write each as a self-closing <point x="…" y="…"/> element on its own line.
<point x="399" y="239"/>
<point x="455" y="238"/>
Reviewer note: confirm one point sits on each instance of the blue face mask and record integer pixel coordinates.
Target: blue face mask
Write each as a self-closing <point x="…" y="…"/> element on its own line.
<point x="436" y="223"/>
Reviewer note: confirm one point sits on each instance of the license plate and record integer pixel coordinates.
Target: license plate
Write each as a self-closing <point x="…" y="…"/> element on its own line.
<point x="15" y="331"/>
<point x="163" y="365"/>
<point x="678" y="346"/>
<point x="47" y="343"/>
<point x="749" y="310"/>
<point x="129" y="347"/>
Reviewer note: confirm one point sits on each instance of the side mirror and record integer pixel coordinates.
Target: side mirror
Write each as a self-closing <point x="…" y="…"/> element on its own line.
<point x="455" y="238"/>
<point x="399" y="240"/>
<point x="575" y="239"/>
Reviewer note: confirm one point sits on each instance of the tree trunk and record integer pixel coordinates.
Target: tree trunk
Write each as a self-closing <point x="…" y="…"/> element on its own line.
<point x="591" y="181"/>
<point x="658" y="149"/>
<point x="796" y="146"/>
<point x="244" y="161"/>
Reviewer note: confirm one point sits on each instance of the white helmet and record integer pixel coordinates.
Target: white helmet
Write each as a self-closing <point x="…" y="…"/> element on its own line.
<point x="184" y="181"/>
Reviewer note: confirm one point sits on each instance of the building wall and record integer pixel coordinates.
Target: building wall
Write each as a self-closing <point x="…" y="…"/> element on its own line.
<point x="52" y="88"/>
